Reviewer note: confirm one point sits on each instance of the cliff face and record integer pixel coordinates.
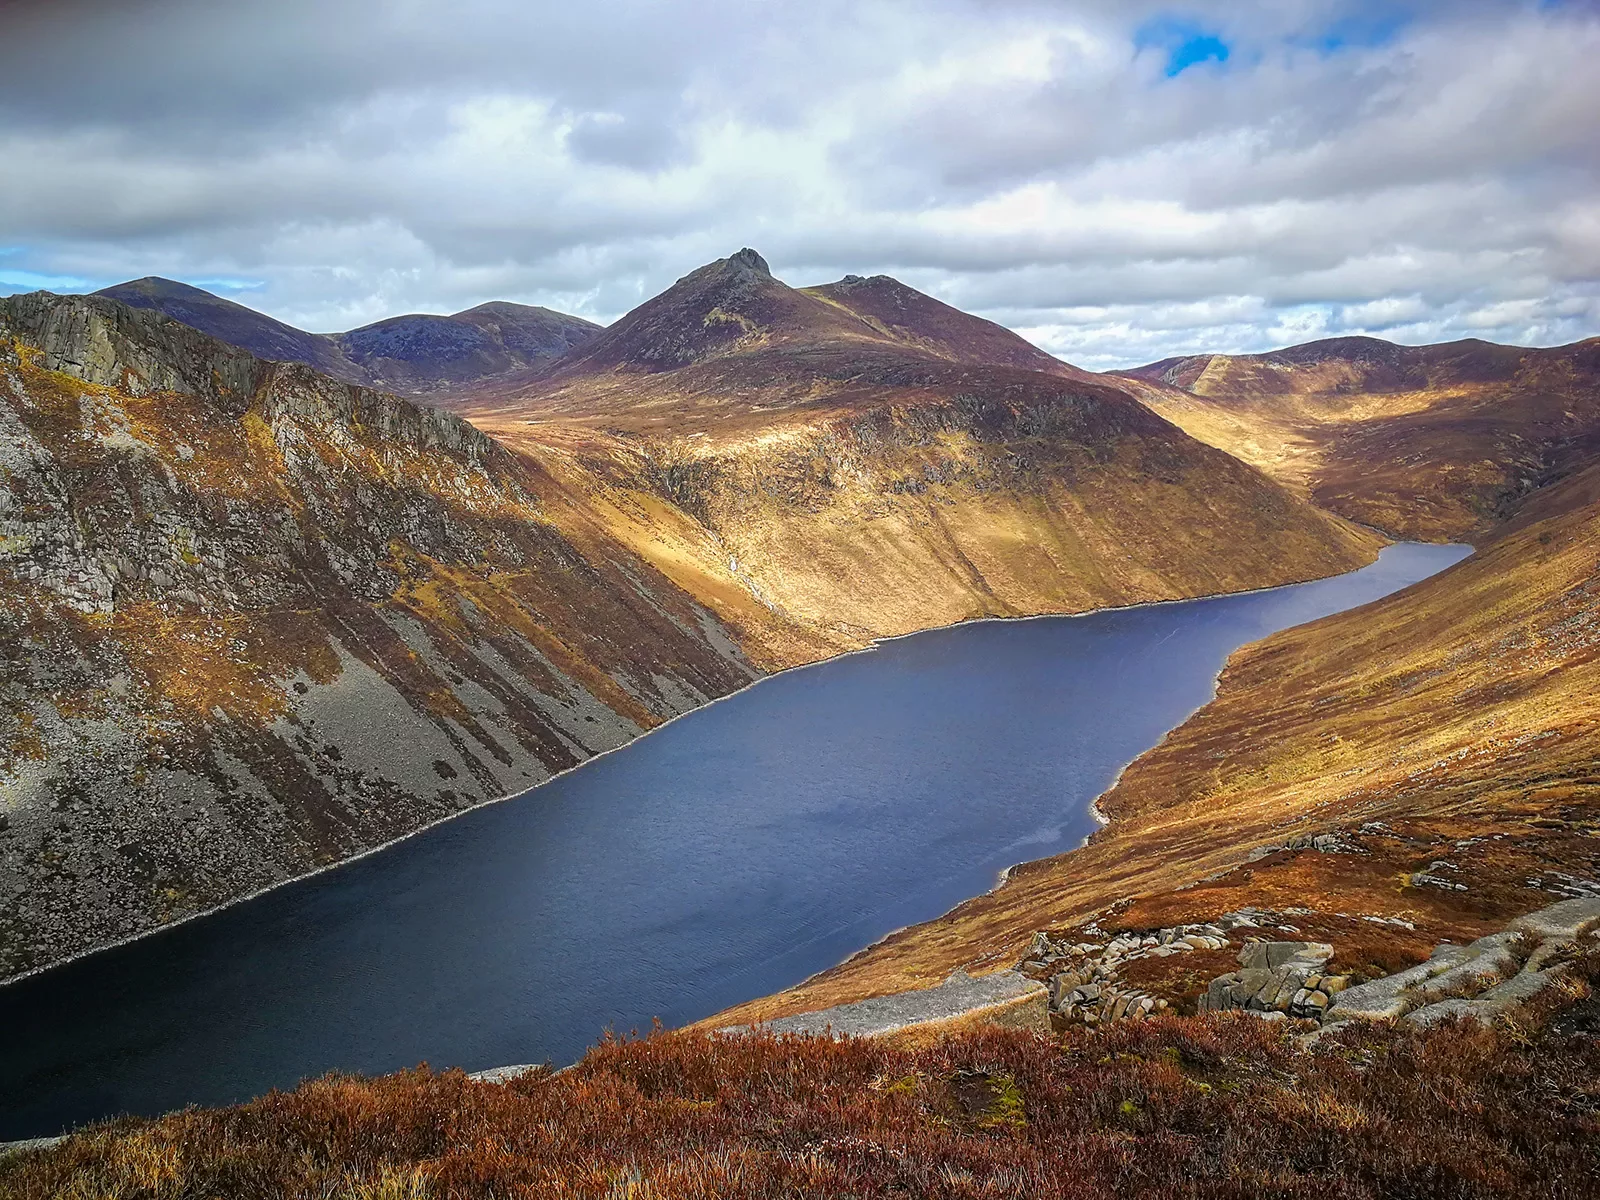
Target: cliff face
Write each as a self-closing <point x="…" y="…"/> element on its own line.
<point x="1427" y="442"/>
<point x="256" y="620"/>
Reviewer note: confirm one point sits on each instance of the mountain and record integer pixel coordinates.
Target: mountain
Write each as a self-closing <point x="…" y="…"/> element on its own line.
<point x="1413" y="771"/>
<point x="416" y="355"/>
<point x="257" y="620"/>
<point x="235" y="324"/>
<point x="734" y="307"/>
<point x="1432" y="442"/>
<point x="864" y="460"/>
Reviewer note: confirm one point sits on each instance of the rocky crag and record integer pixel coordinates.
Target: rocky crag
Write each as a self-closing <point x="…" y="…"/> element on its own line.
<point x="256" y="620"/>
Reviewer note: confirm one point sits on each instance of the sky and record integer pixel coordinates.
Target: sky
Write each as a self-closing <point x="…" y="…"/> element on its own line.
<point x="1117" y="180"/>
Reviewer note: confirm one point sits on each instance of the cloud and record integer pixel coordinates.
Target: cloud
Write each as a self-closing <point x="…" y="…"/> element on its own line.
<point x="1121" y="181"/>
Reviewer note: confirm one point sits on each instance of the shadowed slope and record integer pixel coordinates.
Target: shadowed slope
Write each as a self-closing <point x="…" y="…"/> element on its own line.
<point x="1432" y="442"/>
<point x="862" y="460"/>
<point x="236" y="324"/>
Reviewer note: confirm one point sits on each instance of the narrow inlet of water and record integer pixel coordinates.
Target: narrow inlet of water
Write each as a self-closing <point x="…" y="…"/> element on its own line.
<point x="724" y="857"/>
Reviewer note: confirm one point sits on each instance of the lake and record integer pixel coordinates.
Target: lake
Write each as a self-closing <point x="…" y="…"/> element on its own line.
<point x="729" y="854"/>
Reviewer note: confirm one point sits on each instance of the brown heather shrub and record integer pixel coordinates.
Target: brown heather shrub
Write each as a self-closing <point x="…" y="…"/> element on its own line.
<point x="1221" y="1106"/>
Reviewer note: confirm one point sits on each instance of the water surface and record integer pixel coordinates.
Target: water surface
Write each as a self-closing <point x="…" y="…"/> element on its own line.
<point x="726" y="856"/>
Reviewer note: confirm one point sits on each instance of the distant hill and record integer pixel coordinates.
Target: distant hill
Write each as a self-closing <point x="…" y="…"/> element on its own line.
<point x="235" y="324"/>
<point x="416" y="354"/>
<point x="1432" y="442"/>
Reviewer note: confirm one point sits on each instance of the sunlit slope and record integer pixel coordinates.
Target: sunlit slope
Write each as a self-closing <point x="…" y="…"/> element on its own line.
<point x="254" y="620"/>
<point x="1458" y="715"/>
<point x="1430" y="442"/>
<point x="861" y="460"/>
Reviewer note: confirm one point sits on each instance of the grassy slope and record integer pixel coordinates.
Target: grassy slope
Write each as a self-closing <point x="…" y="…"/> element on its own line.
<point x="1462" y="708"/>
<point x="1430" y="442"/>
<point x="1175" y="1107"/>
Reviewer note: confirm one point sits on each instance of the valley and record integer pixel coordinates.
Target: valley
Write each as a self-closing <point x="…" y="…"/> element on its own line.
<point x="266" y="620"/>
<point x="1426" y="442"/>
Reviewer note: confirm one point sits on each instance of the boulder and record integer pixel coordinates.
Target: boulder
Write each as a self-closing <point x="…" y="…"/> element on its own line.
<point x="1567" y="920"/>
<point x="1470" y="977"/>
<point x="1523" y="987"/>
<point x="1272" y="955"/>
<point x="1432" y="1014"/>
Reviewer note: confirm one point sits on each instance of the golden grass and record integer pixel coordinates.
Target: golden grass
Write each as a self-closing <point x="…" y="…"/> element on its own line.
<point x="1462" y="708"/>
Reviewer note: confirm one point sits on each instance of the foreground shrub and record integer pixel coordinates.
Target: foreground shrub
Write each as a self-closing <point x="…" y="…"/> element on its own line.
<point x="1225" y="1106"/>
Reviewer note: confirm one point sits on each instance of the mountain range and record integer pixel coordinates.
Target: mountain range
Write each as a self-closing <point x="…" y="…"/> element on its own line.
<point x="260" y="618"/>
<point x="261" y="614"/>
<point x="264" y="616"/>
<point x="414" y="355"/>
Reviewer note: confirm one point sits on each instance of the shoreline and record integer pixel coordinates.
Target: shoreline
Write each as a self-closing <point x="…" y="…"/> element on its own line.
<point x="869" y="648"/>
<point x="1093" y="809"/>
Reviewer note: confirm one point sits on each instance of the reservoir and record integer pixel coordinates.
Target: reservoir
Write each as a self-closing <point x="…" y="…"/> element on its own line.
<point x="728" y="855"/>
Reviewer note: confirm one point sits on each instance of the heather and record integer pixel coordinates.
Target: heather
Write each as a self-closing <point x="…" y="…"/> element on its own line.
<point x="1220" y="1106"/>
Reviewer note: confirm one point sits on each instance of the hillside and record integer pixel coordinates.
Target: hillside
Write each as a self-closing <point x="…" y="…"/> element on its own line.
<point x="416" y="355"/>
<point x="257" y="620"/>
<point x="860" y="460"/>
<point x="1427" y="442"/>
<point x="1440" y="745"/>
<point x="1203" y="1109"/>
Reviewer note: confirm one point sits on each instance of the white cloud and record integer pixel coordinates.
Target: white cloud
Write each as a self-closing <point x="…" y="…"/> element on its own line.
<point x="1342" y="172"/>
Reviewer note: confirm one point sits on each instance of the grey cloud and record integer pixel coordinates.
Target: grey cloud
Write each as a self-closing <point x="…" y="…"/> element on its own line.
<point x="1019" y="157"/>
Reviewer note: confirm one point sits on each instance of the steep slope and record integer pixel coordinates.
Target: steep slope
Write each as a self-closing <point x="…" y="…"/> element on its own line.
<point x="418" y="354"/>
<point x="1441" y="745"/>
<point x="1433" y="442"/>
<point x="236" y="324"/>
<point x="861" y="460"/>
<point x="255" y="620"/>
<point x="906" y="315"/>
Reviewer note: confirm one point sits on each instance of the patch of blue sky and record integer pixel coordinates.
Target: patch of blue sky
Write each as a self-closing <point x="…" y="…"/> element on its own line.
<point x="32" y="281"/>
<point x="230" y="285"/>
<point x="1186" y="43"/>
<point x="1376" y="26"/>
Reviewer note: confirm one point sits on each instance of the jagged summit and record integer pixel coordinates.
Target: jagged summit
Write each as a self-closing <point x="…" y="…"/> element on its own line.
<point x="731" y="305"/>
<point x="750" y="260"/>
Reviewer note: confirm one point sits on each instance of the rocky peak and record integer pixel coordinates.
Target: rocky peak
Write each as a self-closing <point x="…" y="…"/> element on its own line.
<point x="748" y="260"/>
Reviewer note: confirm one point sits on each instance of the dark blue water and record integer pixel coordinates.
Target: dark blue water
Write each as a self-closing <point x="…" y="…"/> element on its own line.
<point x="726" y="856"/>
